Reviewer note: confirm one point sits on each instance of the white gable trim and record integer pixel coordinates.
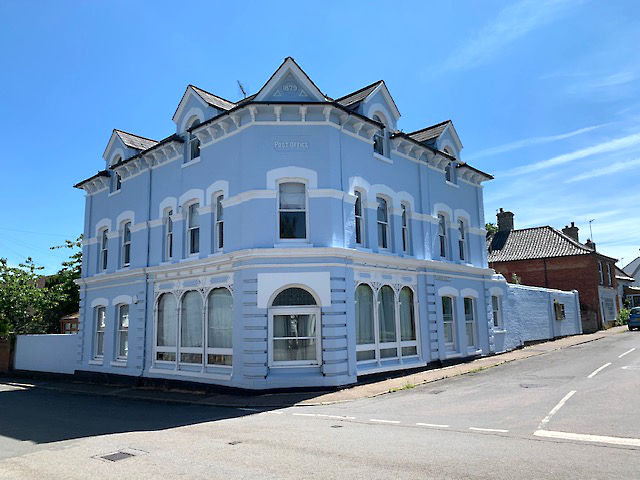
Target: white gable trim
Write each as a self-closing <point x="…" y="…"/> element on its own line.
<point x="289" y="66"/>
<point x="193" y="112"/>
<point x="112" y="140"/>
<point x="291" y="172"/>
<point x="453" y="134"/>
<point x="183" y="102"/>
<point x="387" y="96"/>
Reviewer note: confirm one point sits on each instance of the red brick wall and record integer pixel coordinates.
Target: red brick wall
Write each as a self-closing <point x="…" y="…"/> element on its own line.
<point x="579" y="272"/>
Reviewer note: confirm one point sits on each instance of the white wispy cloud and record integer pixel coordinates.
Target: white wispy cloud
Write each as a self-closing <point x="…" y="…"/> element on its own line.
<point x="511" y="23"/>
<point x="608" y="170"/>
<point x="598" y="83"/>
<point x="529" y="142"/>
<point x="604" y="147"/>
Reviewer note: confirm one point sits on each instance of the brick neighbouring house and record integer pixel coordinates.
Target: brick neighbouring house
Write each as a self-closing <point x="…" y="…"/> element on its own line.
<point x="546" y="257"/>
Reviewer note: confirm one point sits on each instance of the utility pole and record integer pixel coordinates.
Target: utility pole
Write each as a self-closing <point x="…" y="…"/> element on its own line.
<point x="590" y="231"/>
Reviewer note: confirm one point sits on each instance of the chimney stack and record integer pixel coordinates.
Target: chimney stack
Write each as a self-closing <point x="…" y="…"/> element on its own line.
<point x="590" y="244"/>
<point x="571" y="231"/>
<point x="505" y="221"/>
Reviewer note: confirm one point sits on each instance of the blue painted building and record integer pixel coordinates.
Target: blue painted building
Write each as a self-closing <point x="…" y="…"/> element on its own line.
<point x="288" y="239"/>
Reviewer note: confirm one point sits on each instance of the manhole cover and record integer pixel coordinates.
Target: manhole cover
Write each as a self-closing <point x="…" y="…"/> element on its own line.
<point x="116" y="457"/>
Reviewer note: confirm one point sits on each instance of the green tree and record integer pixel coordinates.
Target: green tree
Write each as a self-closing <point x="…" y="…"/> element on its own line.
<point x="490" y="228"/>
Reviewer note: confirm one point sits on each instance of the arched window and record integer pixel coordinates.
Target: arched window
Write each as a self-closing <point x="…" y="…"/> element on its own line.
<point x="292" y="216"/>
<point x="168" y="229"/>
<point x="167" y="328"/>
<point x="294" y="329"/>
<point x="100" y="324"/>
<point x="448" y="321"/>
<point x="116" y="180"/>
<point x="219" y="223"/>
<point x="359" y="218"/>
<point x="126" y="244"/>
<point x="442" y="235"/>
<point x="383" y="223"/>
<point x="104" y="250"/>
<point x="194" y="143"/>
<point x="219" y="327"/>
<point x="378" y="138"/>
<point x="191" y="328"/>
<point x="406" y="246"/>
<point x="407" y="322"/>
<point x="193" y="228"/>
<point x="365" y="326"/>
<point x="470" y="322"/>
<point x="387" y="322"/>
<point x="462" y="239"/>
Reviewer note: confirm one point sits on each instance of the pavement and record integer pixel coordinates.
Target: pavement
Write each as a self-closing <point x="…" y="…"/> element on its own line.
<point x="365" y="389"/>
<point x="565" y="410"/>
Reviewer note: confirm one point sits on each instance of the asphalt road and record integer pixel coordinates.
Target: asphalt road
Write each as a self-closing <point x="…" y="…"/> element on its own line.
<point x="572" y="413"/>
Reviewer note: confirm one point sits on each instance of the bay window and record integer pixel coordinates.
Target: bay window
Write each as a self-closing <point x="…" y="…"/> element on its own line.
<point x="407" y="323"/>
<point x="167" y="328"/>
<point x="292" y="216"/>
<point x="191" y="328"/>
<point x="387" y="322"/>
<point x="219" y="327"/>
<point x="365" y="325"/>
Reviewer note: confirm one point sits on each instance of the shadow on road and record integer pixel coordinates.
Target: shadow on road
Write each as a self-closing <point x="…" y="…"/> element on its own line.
<point x="44" y="416"/>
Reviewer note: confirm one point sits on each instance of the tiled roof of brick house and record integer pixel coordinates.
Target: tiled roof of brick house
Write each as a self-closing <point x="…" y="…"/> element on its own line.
<point x="532" y="243"/>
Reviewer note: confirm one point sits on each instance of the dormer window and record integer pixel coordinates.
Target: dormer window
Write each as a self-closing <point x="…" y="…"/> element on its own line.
<point x="448" y="173"/>
<point x="194" y="143"/>
<point x="378" y="138"/>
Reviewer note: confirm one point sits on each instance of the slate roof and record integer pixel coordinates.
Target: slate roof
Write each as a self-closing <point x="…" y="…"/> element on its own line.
<point x="532" y="243"/>
<point x="429" y="133"/>
<point x="213" y="100"/>
<point x="621" y="275"/>
<point x="632" y="267"/>
<point x="135" y="141"/>
<point x="358" y="95"/>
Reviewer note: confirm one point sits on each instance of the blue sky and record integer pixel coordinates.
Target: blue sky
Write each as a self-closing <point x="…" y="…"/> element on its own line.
<point x="544" y="95"/>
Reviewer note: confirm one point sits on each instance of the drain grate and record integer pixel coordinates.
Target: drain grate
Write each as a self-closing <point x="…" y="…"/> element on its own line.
<point x="116" y="457"/>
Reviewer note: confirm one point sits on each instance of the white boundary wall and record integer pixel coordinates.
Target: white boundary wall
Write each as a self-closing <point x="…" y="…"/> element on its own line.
<point x="46" y="353"/>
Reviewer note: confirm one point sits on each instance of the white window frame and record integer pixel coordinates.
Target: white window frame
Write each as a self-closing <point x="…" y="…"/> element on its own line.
<point x="377" y="346"/>
<point x="406" y="239"/>
<point x="600" y="272"/>
<point x="168" y="239"/>
<point x="126" y="244"/>
<point x="216" y="350"/>
<point x="194" y="142"/>
<point x="359" y="225"/>
<point x="609" y="279"/>
<point x="448" y="173"/>
<point x="193" y="350"/>
<point x="120" y="331"/>
<point x="442" y="236"/>
<point x="462" y="240"/>
<point x="191" y="229"/>
<point x="474" y="340"/>
<point x="219" y="222"/>
<point x="305" y="211"/>
<point x="103" y="258"/>
<point x="384" y="224"/>
<point x="380" y="134"/>
<point x="166" y="349"/>
<point x="450" y="346"/>
<point x="497" y="312"/>
<point x="98" y="332"/>
<point x="295" y="310"/>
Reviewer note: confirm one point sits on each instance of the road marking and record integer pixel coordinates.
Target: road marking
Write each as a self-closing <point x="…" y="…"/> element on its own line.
<point x="304" y="414"/>
<point x="337" y="417"/>
<point x="249" y="409"/>
<point x="628" y="351"/>
<point x="433" y="425"/>
<point x="598" y="370"/>
<point x="478" y="429"/>
<point x="555" y="409"/>
<point x="581" y="437"/>
<point x="630" y="367"/>
<point x="383" y="421"/>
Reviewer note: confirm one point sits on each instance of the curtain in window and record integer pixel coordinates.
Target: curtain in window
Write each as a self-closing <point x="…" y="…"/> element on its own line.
<point x="167" y="320"/>
<point x="220" y="318"/>
<point x="191" y="325"/>
<point x="386" y="315"/>
<point x="407" y="321"/>
<point x="292" y="196"/>
<point x="364" y="315"/>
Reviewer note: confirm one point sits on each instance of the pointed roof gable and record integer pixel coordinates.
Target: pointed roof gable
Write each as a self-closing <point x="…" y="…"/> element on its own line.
<point x="287" y="82"/>
<point x="430" y="134"/>
<point x="633" y="267"/>
<point x="129" y="140"/>
<point x="207" y="98"/>
<point x="358" y="95"/>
